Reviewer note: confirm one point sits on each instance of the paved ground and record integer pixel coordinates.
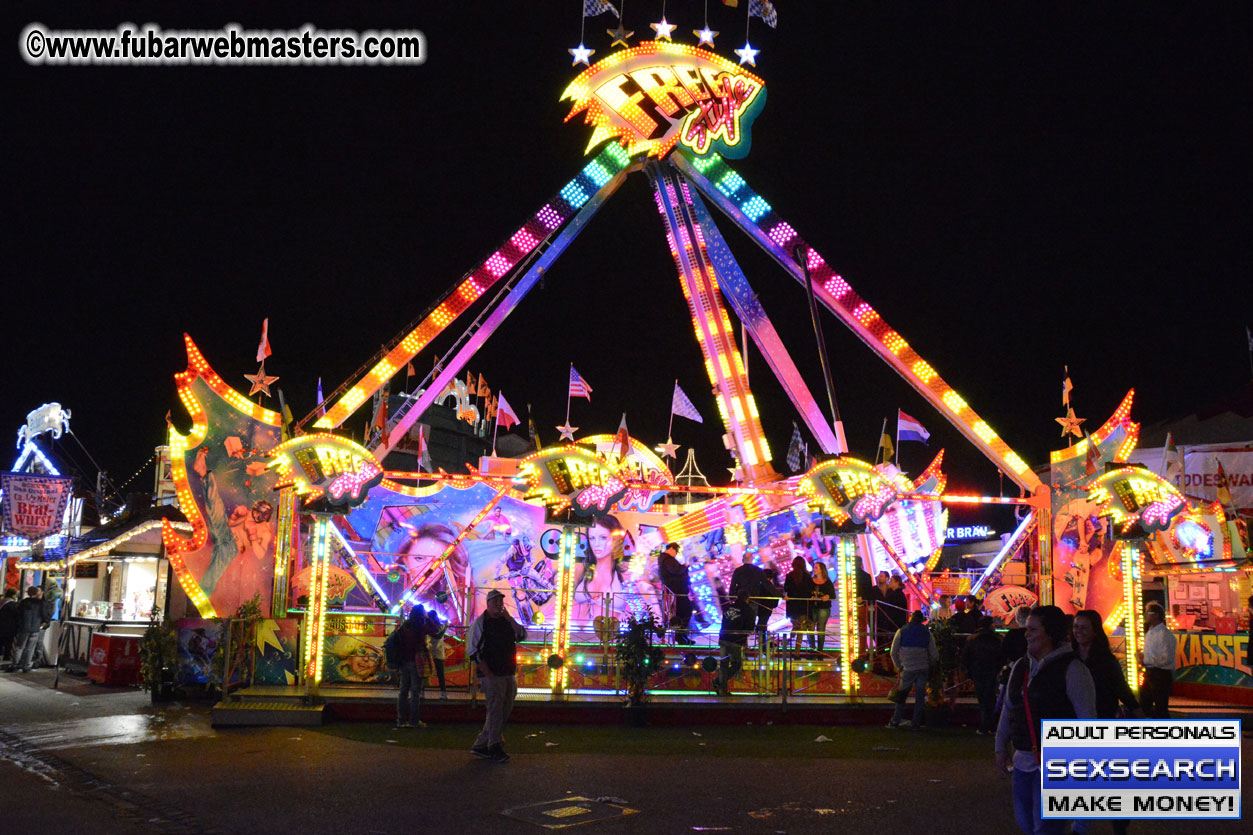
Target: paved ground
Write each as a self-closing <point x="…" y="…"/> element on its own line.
<point x="86" y="760"/>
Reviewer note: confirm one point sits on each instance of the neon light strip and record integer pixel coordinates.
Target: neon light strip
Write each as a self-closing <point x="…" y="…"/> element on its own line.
<point x="1011" y="547"/>
<point x="283" y="549"/>
<point x="735" y="287"/>
<point x="717" y="181"/>
<point x="1133" y="602"/>
<point x="850" y="627"/>
<point x="565" y="593"/>
<point x="1119" y="418"/>
<point x="553" y="215"/>
<point x="359" y="571"/>
<point x="723" y="363"/>
<point x="28" y="450"/>
<point x="451" y="366"/>
<point x="315" y="617"/>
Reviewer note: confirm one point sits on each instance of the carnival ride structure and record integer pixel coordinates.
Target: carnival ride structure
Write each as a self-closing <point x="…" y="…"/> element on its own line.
<point x="674" y="114"/>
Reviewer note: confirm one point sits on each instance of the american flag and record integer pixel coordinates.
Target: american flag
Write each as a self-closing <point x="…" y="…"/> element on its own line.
<point x="579" y="386"/>
<point x="591" y="8"/>
<point x="682" y="406"/>
<point x="765" y="10"/>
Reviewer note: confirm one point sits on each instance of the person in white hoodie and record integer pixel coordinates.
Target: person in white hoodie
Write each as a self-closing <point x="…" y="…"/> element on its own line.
<point x="1049" y="682"/>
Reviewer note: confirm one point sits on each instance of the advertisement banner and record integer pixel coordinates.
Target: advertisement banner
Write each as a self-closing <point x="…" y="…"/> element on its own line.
<point x="1200" y="476"/>
<point x="34" y="505"/>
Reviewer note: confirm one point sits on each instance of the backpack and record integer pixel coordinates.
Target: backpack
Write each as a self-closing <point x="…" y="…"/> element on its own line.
<point x="391" y="648"/>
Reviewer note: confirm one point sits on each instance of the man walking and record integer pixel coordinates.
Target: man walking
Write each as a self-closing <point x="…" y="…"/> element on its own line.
<point x="30" y="622"/>
<point x="492" y="646"/>
<point x="913" y="653"/>
<point x="1158" y="659"/>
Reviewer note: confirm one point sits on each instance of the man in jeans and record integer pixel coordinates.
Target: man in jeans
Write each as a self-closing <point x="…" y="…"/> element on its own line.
<point x="412" y="672"/>
<point x="492" y="645"/>
<point x="30" y="623"/>
<point x="913" y="653"/>
<point x="1158" y="659"/>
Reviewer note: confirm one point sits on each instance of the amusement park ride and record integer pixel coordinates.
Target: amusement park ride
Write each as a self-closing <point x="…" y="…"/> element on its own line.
<point x="674" y="114"/>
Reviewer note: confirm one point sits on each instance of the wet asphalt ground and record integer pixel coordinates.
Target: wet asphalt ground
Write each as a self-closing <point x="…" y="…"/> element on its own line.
<point x="83" y="759"/>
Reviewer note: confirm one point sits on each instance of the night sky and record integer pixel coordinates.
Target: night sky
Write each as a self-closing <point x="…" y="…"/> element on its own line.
<point x="1014" y="186"/>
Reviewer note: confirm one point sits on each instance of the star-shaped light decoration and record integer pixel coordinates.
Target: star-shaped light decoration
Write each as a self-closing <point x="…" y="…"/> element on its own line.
<point x="737" y="475"/>
<point x="669" y="449"/>
<point x="1070" y="424"/>
<point x="581" y="54"/>
<point x="663" y="29"/>
<point x="619" y="36"/>
<point x="748" y="55"/>
<point x="706" y="36"/>
<point x="260" y="382"/>
<point x="567" y="431"/>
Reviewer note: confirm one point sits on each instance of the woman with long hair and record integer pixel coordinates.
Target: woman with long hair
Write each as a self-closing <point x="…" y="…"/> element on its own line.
<point x="603" y="571"/>
<point x="824" y="593"/>
<point x="1091" y="645"/>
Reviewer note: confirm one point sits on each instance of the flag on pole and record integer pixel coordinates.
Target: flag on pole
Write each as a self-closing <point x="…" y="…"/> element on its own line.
<point x="380" y="419"/>
<point x="263" y="349"/>
<point x="491" y="407"/>
<point x="682" y="406"/>
<point x="530" y="428"/>
<point x="622" y="440"/>
<point x="732" y="3"/>
<point x="409" y="372"/>
<point x="470" y="392"/>
<point x="505" y="416"/>
<point x="321" y="399"/>
<point x="1092" y="458"/>
<point x="484" y="391"/>
<point x="1067" y="386"/>
<point x="592" y="8"/>
<point x="1221" y="488"/>
<point x="885" y="446"/>
<point x="424" y="451"/>
<point x="579" y="386"/>
<point x="909" y="429"/>
<point x="795" y="450"/>
<point x="1172" y="464"/>
<point x="765" y="10"/>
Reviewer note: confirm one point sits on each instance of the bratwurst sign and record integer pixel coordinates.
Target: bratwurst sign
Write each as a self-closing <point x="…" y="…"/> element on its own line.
<point x="656" y="95"/>
<point x="34" y="505"/>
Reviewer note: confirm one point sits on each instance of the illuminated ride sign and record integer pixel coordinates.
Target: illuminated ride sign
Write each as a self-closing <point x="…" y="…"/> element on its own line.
<point x="329" y="466"/>
<point x="847" y="488"/>
<point x="1137" y="501"/>
<point x="656" y="95"/>
<point x="575" y="478"/>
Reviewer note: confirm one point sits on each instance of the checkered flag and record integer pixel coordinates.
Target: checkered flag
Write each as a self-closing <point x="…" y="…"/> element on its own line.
<point x="765" y="10"/>
<point x="592" y="8"/>
<point x="796" y="450"/>
<point x="682" y="406"/>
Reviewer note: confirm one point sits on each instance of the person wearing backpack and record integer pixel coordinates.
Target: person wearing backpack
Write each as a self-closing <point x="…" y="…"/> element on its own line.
<point x="405" y="652"/>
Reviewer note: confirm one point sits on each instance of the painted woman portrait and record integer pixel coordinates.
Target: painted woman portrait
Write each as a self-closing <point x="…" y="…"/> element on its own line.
<point x="448" y="588"/>
<point x="603" y="570"/>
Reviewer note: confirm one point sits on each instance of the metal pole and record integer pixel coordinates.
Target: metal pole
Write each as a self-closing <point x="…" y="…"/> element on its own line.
<point x="798" y="252"/>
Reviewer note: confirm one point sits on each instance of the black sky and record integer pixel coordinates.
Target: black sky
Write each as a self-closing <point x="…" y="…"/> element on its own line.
<point x="1014" y="186"/>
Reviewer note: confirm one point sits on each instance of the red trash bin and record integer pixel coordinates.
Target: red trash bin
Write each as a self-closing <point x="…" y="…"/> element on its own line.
<point x="114" y="659"/>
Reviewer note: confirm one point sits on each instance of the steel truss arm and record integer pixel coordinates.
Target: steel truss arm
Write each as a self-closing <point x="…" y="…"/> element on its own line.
<point x="607" y="164"/>
<point x="744" y="302"/>
<point x="728" y="190"/>
<point x="451" y="368"/>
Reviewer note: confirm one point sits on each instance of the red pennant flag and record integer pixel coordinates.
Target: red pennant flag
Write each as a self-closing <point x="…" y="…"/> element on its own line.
<point x="263" y="349"/>
<point x="505" y="416"/>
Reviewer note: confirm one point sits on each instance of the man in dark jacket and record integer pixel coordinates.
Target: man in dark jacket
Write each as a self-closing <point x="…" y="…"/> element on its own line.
<point x="492" y="647"/>
<point x="982" y="659"/>
<point x="415" y="660"/>
<point x="8" y="623"/>
<point x="31" y="622"/>
<point x="675" y="578"/>
<point x="738" y="618"/>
